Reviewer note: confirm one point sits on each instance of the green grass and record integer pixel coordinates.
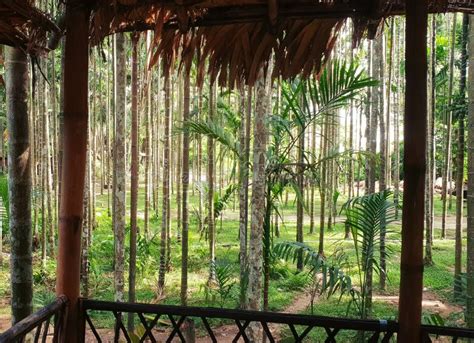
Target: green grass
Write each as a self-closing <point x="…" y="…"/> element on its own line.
<point x="285" y="286"/>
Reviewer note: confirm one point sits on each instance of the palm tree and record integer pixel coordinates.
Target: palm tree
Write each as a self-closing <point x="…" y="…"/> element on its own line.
<point x="166" y="183"/>
<point x="338" y="84"/>
<point x="19" y="179"/>
<point x="470" y="188"/>
<point x="185" y="185"/>
<point x="368" y="216"/>
<point x="243" y="190"/>
<point x="210" y="189"/>
<point x="134" y="179"/>
<point x="119" y="170"/>
<point x="461" y="116"/>
<point x="255" y="257"/>
<point x="449" y="123"/>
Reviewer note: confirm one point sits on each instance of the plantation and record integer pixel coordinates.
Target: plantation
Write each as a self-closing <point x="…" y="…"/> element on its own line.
<point x="226" y="171"/>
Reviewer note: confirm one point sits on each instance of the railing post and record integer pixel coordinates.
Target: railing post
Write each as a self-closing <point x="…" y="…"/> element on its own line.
<point x="81" y="319"/>
<point x="74" y="137"/>
<point x="414" y="162"/>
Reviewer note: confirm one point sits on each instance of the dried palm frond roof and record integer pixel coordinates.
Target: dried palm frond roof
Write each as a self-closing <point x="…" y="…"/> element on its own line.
<point x="235" y="38"/>
<point x="24" y="26"/>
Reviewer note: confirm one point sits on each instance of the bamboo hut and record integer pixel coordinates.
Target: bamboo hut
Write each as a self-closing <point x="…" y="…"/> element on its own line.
<point x="233" y="40"/>
<point x="24" y="26"/>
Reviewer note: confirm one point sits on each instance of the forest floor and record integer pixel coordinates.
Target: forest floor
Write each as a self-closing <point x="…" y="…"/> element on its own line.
<point x="288" y="288"/>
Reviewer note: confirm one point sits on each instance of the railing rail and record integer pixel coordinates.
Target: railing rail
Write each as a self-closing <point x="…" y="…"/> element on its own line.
<point x="376" y="331"/>
<point x="443" y="331"/>
<point x="39" y="323"/>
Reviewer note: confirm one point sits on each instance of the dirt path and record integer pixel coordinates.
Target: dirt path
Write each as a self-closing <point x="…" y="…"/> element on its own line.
<point x="430" y="303"/>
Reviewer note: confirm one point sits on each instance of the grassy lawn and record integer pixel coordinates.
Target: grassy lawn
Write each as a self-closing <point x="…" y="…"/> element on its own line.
<point x="286" y="284"/>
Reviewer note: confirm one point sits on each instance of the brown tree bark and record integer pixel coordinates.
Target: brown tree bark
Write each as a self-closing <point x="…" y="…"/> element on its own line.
<point x="470" y="185"/>
<point x="19" y="183"/>
<point x="447" y="179"/>
<point x="255" y="261"/>
<point x="135" y="165"/>
<point x="185" y="185"/>
<point x="243" y="195"/>
<point x="460" y="152"/>
<point x="118" y="216"/>
<point x="211" y="226"/>
<point x="166" y="184"/>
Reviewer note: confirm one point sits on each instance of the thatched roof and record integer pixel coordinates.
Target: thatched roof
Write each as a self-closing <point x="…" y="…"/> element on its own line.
<point x="235" y="38"/>
<point x="24" y="26"/>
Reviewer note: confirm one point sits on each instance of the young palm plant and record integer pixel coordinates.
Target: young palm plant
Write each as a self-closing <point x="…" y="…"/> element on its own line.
<point x="304" y="101"/>
<point x="368" y="216"/>
<point x="327" y="278"/>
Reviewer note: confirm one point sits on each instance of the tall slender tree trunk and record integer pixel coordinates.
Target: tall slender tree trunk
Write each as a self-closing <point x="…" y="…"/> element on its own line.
<point x="85" y="234"/>
<point x="388" y="97"/>
<point x="178" y="153"/>
<point x="243" y="203"/>
<point x="470" y="184"/>
<point x="199" y="165"/>
<point x="19" y="183"/>
<point x="374" y="115"/>
<point x="119" y="171"/>
<point x="312" y="183"/>
<point x="135" y="165"/>
<point x="185" y="185"/>
<point x="210" y="191"/>
<point x="447" y="179"/>
<point x="147" y="162"/>
<point x="430" y="174"/>
<point x="166" y="183"/>
<point x="300" y="199"/>
<point x="379" y="101"/>
<point x="255" y="262"/>
<point x="398" y="110"/>
<point x="460" y="152"/>
<point x="323" y="185"/>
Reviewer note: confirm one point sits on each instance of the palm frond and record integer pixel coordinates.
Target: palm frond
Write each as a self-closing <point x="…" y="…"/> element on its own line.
<point x="333" y="279"/>
<point x="214" y="131"/>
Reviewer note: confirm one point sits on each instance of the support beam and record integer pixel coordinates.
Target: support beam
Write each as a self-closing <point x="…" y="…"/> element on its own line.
<point x="74" y="160"/>
<point x="411" y="283"/>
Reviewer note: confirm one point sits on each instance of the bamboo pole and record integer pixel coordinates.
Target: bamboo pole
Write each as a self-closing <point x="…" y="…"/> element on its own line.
<point x="411" y="283"/>
<point x="73" y="162"/>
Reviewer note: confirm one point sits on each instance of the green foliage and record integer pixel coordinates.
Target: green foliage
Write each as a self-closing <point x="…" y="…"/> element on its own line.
<point x="220" y="290"/>
<point x="5" y="201"/>
<point x="368" y="216"/>
<point x="296" y="282"/>
<point x="215" y="131"/>
<point x="339" y="83"/>
<point x="332" y="279"/>
<point x="42" y="299"/>
<point x="221" y="202"/>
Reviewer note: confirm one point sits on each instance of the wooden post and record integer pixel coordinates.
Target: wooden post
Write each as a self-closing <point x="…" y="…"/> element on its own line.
<point x="411" y="283"/>
<point x="74" y="160"/>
